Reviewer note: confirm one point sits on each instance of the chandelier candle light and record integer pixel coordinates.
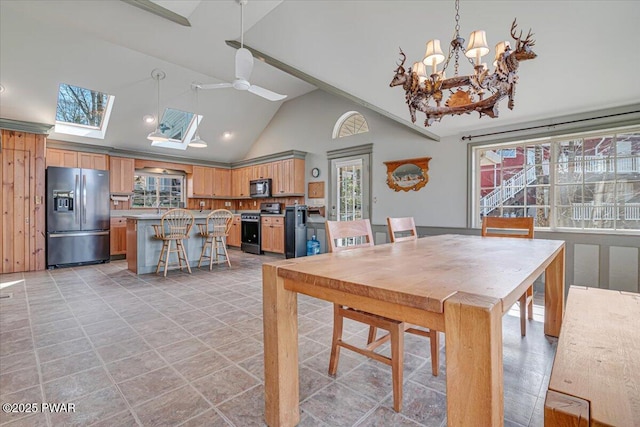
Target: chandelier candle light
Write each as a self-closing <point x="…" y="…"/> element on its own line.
<point x="481" y="91"/>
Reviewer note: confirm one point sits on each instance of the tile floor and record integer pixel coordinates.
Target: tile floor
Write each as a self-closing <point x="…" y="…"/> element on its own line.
<point x="186" y="350"/>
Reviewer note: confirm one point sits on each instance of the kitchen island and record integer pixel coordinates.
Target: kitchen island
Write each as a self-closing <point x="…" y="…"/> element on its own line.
<point x="143" y="249"/>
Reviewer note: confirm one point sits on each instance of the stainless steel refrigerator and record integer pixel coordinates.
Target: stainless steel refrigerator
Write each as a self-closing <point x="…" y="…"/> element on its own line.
<point x="78" y="216"/>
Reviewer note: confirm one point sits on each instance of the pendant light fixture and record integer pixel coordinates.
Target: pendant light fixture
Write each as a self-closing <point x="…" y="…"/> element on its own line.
<point x="197" y="142"/>
<point x="157" y="135"/>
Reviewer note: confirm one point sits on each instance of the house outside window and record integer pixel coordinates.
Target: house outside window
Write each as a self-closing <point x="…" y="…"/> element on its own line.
<point x="153" y="190"/>
<point x="585" y="182"/>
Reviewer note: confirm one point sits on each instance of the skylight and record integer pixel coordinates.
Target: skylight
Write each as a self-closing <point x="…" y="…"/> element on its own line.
<point x="82" y="112"/>
<point x="179" y="127"/>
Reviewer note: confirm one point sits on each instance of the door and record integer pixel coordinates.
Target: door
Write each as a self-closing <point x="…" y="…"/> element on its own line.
<point x="63" y="199"/>
<point x="95" y="199"/>
<point x="350" y="188"/>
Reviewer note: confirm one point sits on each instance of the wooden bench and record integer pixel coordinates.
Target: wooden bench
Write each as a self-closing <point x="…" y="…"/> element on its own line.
<point x="595" y="380"/>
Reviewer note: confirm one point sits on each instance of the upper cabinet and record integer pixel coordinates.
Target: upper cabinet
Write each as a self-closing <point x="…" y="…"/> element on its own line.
<point x="208" y="182"/>
<point x="121" y="172"/>
<point x="74" y="159"/>
<point x="240" y="181"/>
<point x="288" y="177"/>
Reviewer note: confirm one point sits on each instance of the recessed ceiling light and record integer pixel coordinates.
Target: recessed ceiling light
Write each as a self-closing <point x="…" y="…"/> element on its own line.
<point x="1" y="88"/>
<point x="149" y="118"/>
<point x="227" y="135"/>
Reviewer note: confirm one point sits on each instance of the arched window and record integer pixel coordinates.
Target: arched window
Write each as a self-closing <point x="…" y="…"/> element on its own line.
<point x="350" y="123"/>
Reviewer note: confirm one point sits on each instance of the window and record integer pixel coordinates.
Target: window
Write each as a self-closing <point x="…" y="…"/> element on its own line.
<point x="82" y="112"/>
<point x="584" y="182"/>
<point x="350" y="123"/>
<point x="179" y="127"/>
<point x="163" y="190"/>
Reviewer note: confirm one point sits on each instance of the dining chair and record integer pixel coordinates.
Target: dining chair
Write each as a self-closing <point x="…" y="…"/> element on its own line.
<point x="174" y="226"/>
<point x="521" y="227"/>
<point x="359" y="233"/>
<point x="215" y="230"/>
<point x="405" y="227"/>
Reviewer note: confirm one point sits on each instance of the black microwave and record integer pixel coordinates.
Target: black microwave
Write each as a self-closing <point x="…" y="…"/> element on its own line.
<point x="260" y="188"/>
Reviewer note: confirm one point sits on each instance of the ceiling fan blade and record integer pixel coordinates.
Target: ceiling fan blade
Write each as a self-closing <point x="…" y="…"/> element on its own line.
<point x="244" y="64"/>
<point x="215" y="86"/>
<point x="266" y="93"/>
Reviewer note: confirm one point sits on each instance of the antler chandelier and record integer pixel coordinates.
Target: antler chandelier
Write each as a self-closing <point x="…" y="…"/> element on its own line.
<point x="481" y="91"/>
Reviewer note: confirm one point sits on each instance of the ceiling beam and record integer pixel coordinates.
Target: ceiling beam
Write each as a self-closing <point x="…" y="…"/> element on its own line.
<point x="332" y="89"/>
<point x="156" y="9"/>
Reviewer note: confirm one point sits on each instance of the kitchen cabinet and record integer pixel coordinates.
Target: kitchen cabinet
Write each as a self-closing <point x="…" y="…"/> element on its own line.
<point x="240" y="181"/>
<point x="262" y="171"/>
<point x="272" y="234"/>
<point x="118" y="236"/>
<point x="288" y="177"/>
<point x="93" y="161"/>
<point x="121" y="175"/>
<point x="234" y="237"/>
<point x="210" y="182"/>
<point x="221" y="182"/>
<point x="75" y="159"/>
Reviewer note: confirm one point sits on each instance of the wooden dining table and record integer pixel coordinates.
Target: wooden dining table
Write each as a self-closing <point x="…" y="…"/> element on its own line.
<point x="458" y="284"/>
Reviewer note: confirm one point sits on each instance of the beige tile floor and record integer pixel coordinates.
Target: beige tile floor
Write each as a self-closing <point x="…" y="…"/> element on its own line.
<point x="186" y="350"/>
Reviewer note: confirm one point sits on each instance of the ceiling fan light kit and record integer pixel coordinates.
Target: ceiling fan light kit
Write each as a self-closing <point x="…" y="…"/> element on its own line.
<point x="244" y="67"/>
<point x="157" y="135"/>
<point x="480" y="91"/>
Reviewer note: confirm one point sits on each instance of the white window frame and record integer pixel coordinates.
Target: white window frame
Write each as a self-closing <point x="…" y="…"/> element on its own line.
<point x="475" y="182"/>
<point x="85" y="130"/>
<point x="160" y="175"/>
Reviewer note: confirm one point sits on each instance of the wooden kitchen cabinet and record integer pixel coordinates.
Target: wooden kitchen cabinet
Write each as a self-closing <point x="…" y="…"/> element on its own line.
<point x="240" y="181"/>
<point x="118" y="236"/>
<point x="221" y="182"/>
<point x="121" y="175"/>
<point x="288" y="177"/>
<point x="234" y="237"/>
<point x="93" y="161"/>
<point x="75" y="159"/>
<point x="262" y="171"/>
<point x="272" y="234"/>
<point x="201" y="182"/>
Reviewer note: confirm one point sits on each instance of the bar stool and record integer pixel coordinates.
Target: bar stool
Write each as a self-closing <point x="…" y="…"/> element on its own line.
<point x="174" y="227"/>
<point x="214" y="230"/>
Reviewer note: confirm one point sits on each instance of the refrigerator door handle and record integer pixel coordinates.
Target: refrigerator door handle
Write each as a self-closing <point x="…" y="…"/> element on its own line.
<point x="84" y="198"/>
<point x="79" y="234"/>
<point x="76" y="194"/>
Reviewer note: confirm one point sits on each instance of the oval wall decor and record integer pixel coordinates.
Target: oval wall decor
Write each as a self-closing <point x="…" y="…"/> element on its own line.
<point x="409" y="174"/>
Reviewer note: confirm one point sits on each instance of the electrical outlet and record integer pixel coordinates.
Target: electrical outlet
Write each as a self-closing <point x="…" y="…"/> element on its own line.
<point x="255" y="203"/>
<point x="227" y="203"/>
<point x="202" y="203"/>
<point x="241" y="204"/>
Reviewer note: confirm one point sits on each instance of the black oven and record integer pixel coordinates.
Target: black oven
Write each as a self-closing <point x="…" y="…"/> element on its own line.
<point x="250" y="233"/>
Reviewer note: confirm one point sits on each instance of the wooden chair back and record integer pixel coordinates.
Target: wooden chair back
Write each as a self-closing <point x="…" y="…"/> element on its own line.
<point x="495" y="226"/>
<point x="405" y="226"/>
<point x="359" y="230"/>
<point x="176" y="224"/>
<point x="218" y="223"/>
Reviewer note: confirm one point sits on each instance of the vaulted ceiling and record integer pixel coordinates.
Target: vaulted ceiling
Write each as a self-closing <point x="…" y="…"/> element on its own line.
<point x="587" y="59"/>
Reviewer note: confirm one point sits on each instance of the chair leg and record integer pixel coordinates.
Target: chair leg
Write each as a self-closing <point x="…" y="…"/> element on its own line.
<point x="226" y="254"/>
<point x="434" y="338"/>
<point x="530" y="298"/>
<point x="164" y="247"/>
<point x="204" y="250"/>
<point x="337" y="336"/>
<point x="397" y="360"/>
<point x="184" y="255"/>
<point x="373" y="331"/>
<point x="166" y="260"/>
<point x="523" y="314"/>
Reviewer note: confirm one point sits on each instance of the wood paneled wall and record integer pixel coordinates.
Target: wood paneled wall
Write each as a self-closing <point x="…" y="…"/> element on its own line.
<point x="22" y="168"/>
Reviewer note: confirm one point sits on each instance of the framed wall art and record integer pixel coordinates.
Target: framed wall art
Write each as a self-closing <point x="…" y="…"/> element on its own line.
<point x="409" y="174"/>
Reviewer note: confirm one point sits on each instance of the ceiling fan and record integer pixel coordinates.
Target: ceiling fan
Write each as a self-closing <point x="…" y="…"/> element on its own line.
<point x="244" y="66"/>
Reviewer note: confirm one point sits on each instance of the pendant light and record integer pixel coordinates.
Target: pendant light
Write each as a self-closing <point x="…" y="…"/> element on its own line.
<point x="197" y="142"/>
<point x="157" y="135"/>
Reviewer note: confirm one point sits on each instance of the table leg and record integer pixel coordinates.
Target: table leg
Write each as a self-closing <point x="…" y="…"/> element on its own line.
<point x="473" y="337"/>
<point x="280" y="321"/>
<point x="554" y="295"/>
